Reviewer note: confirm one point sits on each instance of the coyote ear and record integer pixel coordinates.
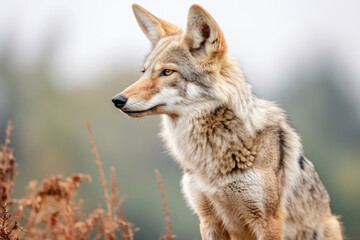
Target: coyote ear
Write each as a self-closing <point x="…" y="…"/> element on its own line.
<point x="203" y="36"/>
<point x="153" y="27"/>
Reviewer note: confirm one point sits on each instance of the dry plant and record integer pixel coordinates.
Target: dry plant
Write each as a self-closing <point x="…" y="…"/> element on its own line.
<point x="7" y="167"/>
<point x="9" y="229"/>
<point x="169" y="235"/>
<point x="50" y="211"/>
<point x="114" y="218"/>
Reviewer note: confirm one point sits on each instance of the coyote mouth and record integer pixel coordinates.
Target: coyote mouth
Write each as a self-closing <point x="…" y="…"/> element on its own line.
<point x="143" y="111"/>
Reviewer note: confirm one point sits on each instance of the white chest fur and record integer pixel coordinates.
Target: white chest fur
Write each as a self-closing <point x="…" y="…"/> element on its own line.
<point x="212" y="145"/>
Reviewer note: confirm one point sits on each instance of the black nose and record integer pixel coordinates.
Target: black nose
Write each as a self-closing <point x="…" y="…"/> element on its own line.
<point x="119" y="101"/>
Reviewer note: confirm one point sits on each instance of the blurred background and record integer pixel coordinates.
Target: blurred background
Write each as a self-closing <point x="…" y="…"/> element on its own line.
<point x="61" y="62"/>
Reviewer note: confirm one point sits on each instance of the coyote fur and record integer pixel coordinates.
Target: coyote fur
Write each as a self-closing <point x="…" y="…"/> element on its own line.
<point x="244" y="171"/>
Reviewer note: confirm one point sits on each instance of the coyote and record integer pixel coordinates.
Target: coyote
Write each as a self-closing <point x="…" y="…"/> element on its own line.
<point x="244" y="171"/>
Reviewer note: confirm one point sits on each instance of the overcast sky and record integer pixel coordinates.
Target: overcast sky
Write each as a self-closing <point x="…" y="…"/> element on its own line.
<point x="268" y="37"/>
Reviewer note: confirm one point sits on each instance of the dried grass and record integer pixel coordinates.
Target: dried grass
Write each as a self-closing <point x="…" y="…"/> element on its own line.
<point x="50" y="211"/>
<point x="169" y="235"/>
<point x="7" y="167"/>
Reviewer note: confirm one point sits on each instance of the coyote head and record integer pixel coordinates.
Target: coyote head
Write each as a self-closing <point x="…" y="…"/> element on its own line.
<point x="182" y="71"/>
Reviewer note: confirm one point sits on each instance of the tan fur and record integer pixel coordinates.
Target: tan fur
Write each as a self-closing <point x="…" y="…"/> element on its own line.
<point x="245" y="174"/>
<point x="144" y="90"/>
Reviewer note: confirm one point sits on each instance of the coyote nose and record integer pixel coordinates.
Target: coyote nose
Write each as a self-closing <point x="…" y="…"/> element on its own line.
<point x="119" y="101"/>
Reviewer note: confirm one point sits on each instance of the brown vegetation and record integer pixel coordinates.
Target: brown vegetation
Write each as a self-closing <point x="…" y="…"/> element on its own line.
<point x="169" y="235"/>
<point x="49" y="210"/>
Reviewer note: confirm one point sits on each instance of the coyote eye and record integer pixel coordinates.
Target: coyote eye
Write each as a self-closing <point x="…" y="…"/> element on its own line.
<point x="143" y="70"/>
<point x="167" y="72"/>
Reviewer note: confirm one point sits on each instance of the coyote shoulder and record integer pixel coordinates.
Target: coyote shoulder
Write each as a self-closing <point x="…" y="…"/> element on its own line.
<point x="244" y="171"/>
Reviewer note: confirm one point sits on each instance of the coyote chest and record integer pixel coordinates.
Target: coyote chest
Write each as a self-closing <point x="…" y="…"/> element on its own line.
<point x="214" y="145"/>
<point x="226" y="171"/>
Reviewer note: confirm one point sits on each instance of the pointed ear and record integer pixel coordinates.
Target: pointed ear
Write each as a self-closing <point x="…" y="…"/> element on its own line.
<point x="203" y="36"/>
<point x="153" y="27"/>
